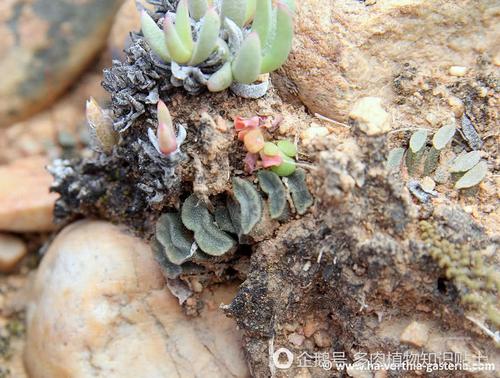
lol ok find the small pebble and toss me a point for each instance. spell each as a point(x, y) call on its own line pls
point(314, 132)
point(415, 334)
point(322, 339)
point(457, 71)
point(296, 339)
point(427, 184)
point(12, 250)
point(456, 105)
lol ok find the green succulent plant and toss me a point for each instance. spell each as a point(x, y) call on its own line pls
point(271, 184)
point(236, 41)
point(302, 199)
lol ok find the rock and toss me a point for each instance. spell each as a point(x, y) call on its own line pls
point(322, 338)
point(371, 117)
point(25, 202)
point(415, 334)
point(100, 304)
point(296, 339)
point(45, 45)
point(12, 250)
point(457, 71)
point(313, 132)
point(344, 50)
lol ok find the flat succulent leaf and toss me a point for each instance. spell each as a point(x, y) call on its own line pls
point(183, 24)
point(235, 10)
point(246, 65)
point(466, 161)
point(413, 161)
point(431, 161)
point(178, 51)
point(270, 149)
point(223, 219)
point(271, 184)
point(168, 269)
point(443, 136)
point(174, 237)
point(395, 157)
point(417, 140)
point(281, 44)
point(290, 4)
point(154, 36)
point(250, 11)
point(472, 177)
point(221, 79)
point(286, 168)
point(288, 148)
point(197, 8)
point(250, 204)
point(301, 197)
point(263, 21)
point(208, 236)
point(207, 38)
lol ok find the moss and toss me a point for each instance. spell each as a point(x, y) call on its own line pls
point(478, 283)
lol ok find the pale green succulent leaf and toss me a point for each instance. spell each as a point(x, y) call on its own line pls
point(221, 79)
point(174, 237)
point(183, 25)
point(271, 184)
point(472, 177)
point(207, 38)
point(154, 36)
point(466, 161)
point(301, 197)
point(250, 204)
point(197, 8)
point(443, 136)
point(246, 65)
point(286, 168)
point(250, 11)
point(417, 140)
point(395, 157)
point(290, 4)
point(235, 10)
point(288, 148)
point(270, 149)
point(279, 47)
point(178, 51)
point(263, 20)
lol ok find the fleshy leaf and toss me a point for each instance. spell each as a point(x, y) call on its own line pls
point(235, 10)
point(183, 25)
point(207, 38)
point(101, 126)
point(174, 237)
point(302, 199)
point(167, 141)
point(178, 52)
point(271, 184)
point(465, 162)
point(288, 148)
point(246, 65)
point(417, 140)
point(443, 136)
point(197, 8)
point(271, 161)
point(250, 162)
point(279, 47)
point(394, 158)
point(154, 36)
point(263, 20)
point(250, 204)
point(254, 141)
point(270, 149)
point(286, 168)
point(250, 11)
point(241, 123)
point(472, 177)
point(221, 79)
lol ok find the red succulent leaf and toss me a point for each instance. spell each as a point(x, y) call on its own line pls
point(250, 162)
point(241, 123)
point(270, 161)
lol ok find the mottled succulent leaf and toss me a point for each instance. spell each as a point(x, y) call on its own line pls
point(471, 136)
point(178, 51)
point(198, 219)
point(472, 177)
point(254, 141)
point(443, 136)
point(221, 79)
point(263, 20)
point(413, 161)
point(235, 10)
point(154, 36)
point(270, 149)
point(246, 65)
point(417, 140)
point(223, 219)
point(271, 184)
point(279, 47)
point(197, 8)
point(168, 269)
point(250, 204)
point(286, 168)
point(288, 148)
point(183, 25)
point(207, 37)
point(394, 157)
point(465, 162)
point(174, 237)
point(431, 161)
point(301, 197)
point(250, 11)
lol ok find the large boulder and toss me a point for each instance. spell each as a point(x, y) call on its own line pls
point(45, 45)
point(100, 308)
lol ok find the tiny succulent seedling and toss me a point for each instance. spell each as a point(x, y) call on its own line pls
point(165, 141)
point(103, 135)
point(237, 40)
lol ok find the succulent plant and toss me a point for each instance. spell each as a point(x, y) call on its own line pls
point(235, 42)
point(103, 136)
point(302, 199)
point(271, 184)
point(473, 176)
point(250, 204)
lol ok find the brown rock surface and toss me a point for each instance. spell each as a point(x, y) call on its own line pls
point(25, 202)
point(101, 305)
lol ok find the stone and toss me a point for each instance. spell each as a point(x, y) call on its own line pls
point(45, 46)
point(457, 71)
point(25, 202)
point(344, 50)
point(415, 334)
point(12, 250)
point(313, 132)
point(296, 339)
point(100, 304)
point(322, 338)
point(372, 119)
